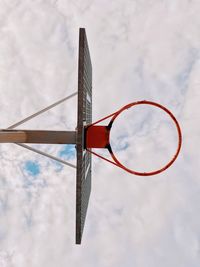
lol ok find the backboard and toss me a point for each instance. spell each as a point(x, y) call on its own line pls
point(83, 177)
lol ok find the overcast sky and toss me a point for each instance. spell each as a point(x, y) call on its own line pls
point(140, 50)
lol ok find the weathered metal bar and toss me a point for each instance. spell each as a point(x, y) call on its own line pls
point(38, 136)
point(12, 137)
point(41, 111)
point(47, 155)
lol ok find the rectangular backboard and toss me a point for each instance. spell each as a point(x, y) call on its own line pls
point(83, 177)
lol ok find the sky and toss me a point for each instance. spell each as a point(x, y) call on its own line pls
point(139, 50)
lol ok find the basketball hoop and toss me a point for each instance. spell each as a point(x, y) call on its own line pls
point(85, 137)
point(98, 136)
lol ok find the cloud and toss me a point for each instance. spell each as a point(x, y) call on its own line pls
point(139, 50)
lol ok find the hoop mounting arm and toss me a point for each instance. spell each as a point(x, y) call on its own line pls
point(97, 136)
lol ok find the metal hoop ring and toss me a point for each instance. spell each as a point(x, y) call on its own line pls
point(145, 102)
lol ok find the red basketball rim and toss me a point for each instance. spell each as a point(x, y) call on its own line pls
point(145, 102)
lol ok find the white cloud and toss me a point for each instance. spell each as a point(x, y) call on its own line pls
point(139, 51)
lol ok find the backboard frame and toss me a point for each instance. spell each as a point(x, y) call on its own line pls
point(84, 117)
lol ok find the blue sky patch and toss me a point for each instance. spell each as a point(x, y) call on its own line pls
point(58, 166)
point(32, 167)
point(67, 152)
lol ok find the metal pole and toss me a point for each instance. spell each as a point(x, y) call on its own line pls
point(37, 136)
point(46, 137)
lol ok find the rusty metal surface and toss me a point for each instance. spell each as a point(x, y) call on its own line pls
point(12, 137)
point(38, 136)
point(83, 179)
